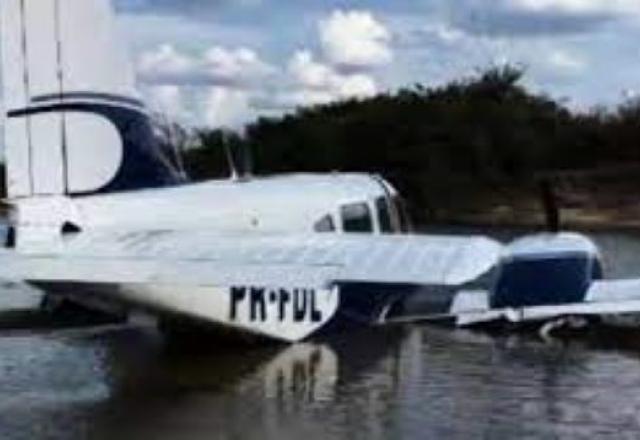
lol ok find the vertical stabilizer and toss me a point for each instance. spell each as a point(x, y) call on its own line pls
point(73, 124)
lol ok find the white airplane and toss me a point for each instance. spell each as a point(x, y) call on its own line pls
point(100, 214)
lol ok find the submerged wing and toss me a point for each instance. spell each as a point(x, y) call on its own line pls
point(604, 298)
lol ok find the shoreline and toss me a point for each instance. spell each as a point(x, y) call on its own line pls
point(571, 220)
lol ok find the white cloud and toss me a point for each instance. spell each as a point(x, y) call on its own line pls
point(229, 87)
point(565, 62)
point(444, 32)
point(310, 73)
point(579, 6)
point(357, 86)
point(179, 91)
point(523, 18)
point(318, 83)
point(355, 40)
point(167, 100)
point(165, 64)
point(217, 66)
point(227, 107)
point(235, 64)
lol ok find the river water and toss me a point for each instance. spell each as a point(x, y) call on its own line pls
point(126, 382)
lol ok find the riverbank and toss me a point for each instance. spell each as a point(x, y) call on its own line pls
point(627, 219)
point(590, 204)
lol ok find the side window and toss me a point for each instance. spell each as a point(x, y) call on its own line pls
point(357, 218)
point(384, 215)
point(325, 224)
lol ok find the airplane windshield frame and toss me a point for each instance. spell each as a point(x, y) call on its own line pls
point(406, 225)
point(384, 216)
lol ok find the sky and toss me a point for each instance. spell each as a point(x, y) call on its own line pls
point(223, 63)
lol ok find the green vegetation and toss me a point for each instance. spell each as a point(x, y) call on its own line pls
point(472, 150)
point(478, 142)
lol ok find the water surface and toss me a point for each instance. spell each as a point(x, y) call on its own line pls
point(126, 382)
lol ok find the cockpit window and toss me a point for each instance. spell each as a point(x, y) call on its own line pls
point(384, 215)
point(357, 218)
point(325, 224)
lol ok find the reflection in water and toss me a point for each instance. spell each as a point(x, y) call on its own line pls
point(417, 382)
point(413, 382)
point(277, 392)
point(305, 372)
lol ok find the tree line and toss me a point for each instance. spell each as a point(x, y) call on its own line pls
point(459, 144)
point(446, 146)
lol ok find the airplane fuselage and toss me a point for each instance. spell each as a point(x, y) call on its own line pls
point(299, 203)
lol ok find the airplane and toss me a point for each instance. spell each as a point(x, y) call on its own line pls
point(101, 215)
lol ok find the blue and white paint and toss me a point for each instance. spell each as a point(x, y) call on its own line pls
point(98, 213)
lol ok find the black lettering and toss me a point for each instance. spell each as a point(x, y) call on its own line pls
point(258, 302)
point(285, 298)
point(238, 294)
point(299, 305)
point(316, 315)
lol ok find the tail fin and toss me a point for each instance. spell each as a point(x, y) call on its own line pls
point(73, 123)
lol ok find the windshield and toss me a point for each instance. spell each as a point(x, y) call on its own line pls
point(357, 218)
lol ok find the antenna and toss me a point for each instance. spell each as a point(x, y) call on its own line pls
point(235, 176)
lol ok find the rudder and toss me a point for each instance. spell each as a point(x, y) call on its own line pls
point(74, 124)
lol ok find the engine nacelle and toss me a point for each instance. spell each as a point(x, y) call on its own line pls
point(546, 269)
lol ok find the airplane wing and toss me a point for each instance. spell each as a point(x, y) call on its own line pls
point(604, 298)
point(278, 286)
point(211, 258)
